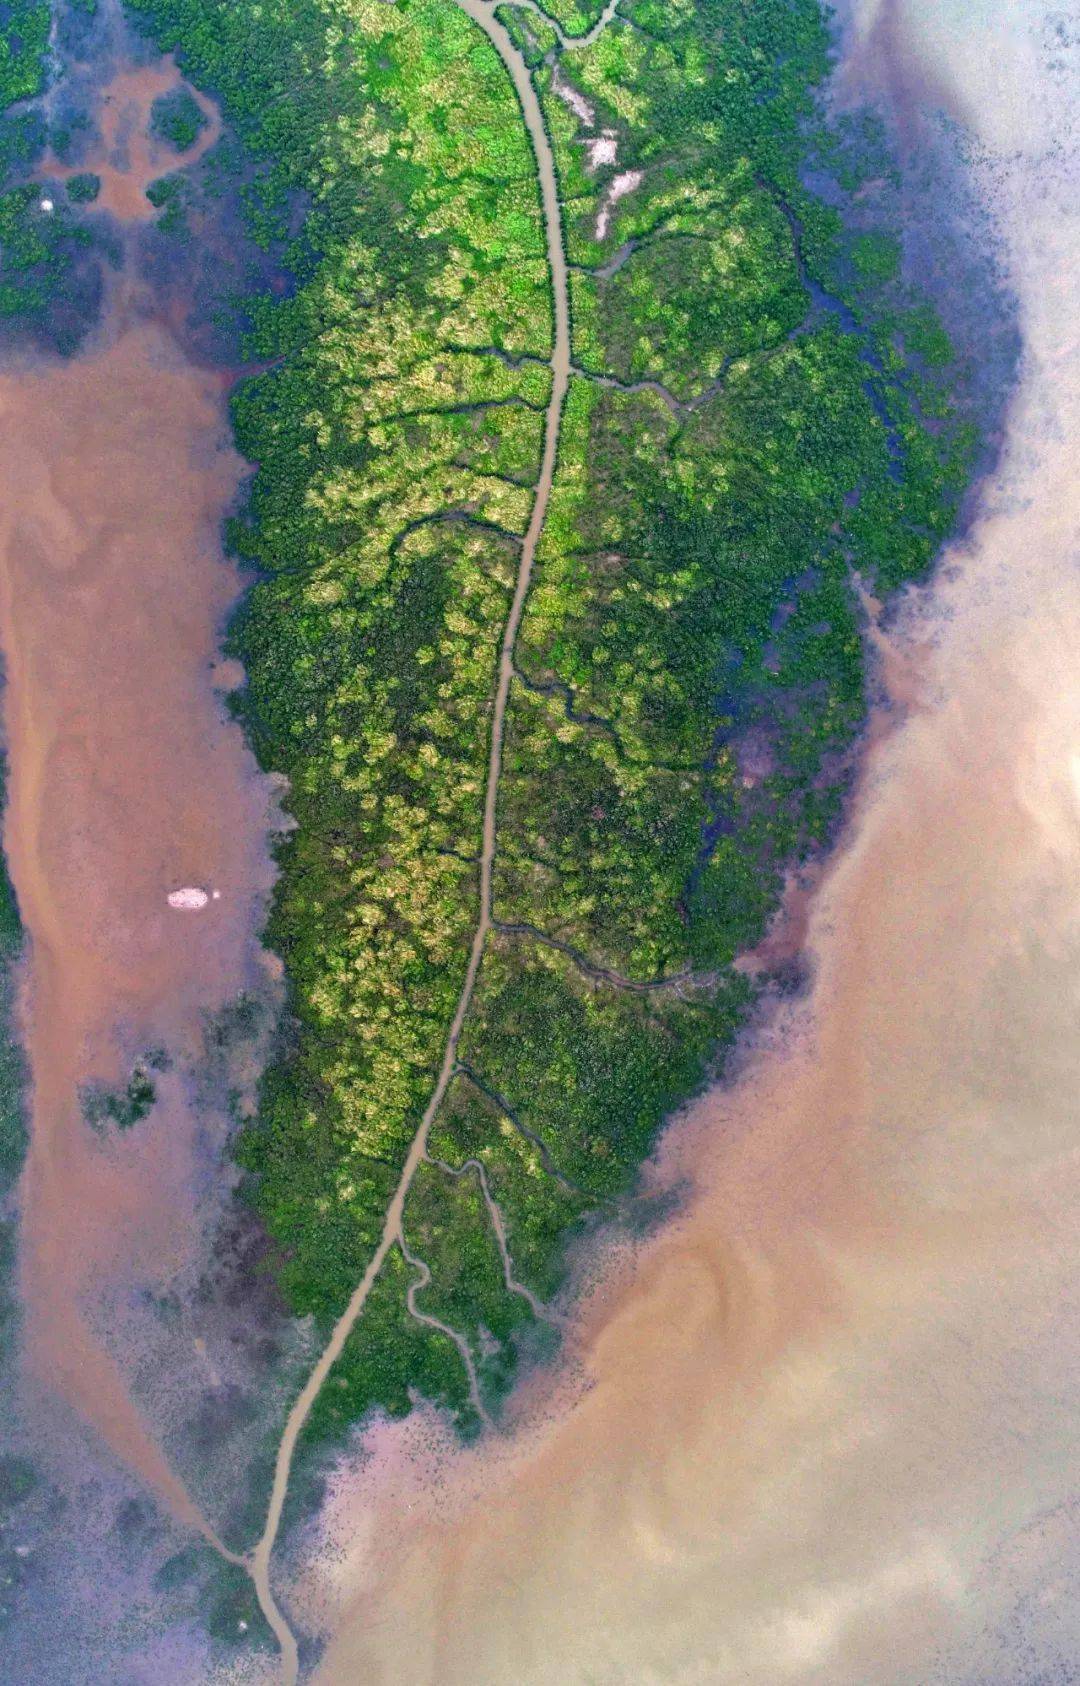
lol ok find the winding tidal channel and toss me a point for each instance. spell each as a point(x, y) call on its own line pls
point(829, 1434)
point(825, 1436)
point(481, 13)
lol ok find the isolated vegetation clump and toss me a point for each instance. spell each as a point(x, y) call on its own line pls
point(126, 1107)
point(759, 411)
point(83, 189)
point(177, 119)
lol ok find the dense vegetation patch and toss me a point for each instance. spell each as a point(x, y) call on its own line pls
point(177, 119)
point(84, 188)
point(759, 411)
point(24, 41)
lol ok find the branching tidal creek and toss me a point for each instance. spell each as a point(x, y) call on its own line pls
point(392, 1235)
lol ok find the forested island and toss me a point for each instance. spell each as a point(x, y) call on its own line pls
point(760, 413)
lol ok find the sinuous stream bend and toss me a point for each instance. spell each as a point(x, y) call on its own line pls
point(116, 729)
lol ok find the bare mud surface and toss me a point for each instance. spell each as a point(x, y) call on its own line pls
point(823, 1429)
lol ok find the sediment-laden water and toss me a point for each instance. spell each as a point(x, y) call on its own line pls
point(829, 1423)
point(128, 781)
point(127, 156)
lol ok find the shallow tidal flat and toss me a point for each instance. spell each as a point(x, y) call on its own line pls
point(125, 781)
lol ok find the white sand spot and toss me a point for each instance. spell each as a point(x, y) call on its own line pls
point(189, 899)
point(620, 187)
point(570, 96)
point(603, 150)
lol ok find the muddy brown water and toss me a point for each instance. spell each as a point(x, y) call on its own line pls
point(127, 781)
point(830, 1424)
point(128, 157)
